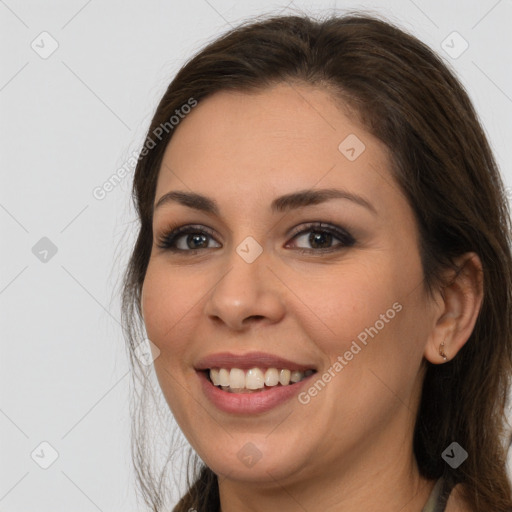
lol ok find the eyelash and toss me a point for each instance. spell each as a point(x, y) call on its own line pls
point(167, 239)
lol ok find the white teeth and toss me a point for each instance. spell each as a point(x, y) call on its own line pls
point(254, 379)
point(238, 380)
point(295, 376)
point(284, 377)
point(223, 377)
point(271, 377)
point(214, 375)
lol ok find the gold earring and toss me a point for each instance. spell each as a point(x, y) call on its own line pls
point(441, 351)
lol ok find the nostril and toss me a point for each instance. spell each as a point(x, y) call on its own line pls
point(255, 317)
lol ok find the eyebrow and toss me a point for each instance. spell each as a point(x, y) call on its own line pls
point(295, 200)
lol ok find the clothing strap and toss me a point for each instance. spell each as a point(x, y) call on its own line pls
point(439, 496)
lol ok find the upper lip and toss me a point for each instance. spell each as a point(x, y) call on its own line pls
point(249, 360)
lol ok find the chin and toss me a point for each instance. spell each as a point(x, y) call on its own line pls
point(250, 460)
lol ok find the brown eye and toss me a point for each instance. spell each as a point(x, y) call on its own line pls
point(185, 239)
point(320, 237)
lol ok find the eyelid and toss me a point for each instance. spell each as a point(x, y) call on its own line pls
point(343, 235)
point(320, 226)
point(174, 231)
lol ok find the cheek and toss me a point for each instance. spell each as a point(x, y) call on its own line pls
point(167, 305)
point(344, 304)
point(371, 319)
point(168, 311)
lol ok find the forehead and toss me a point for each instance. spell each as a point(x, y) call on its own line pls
point(272, 142)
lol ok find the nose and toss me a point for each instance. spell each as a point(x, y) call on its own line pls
point(247, 293)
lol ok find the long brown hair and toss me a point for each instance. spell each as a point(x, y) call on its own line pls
point(407, 97)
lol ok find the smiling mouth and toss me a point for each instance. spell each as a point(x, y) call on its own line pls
point(254, 380)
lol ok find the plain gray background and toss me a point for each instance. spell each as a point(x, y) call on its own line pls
point(69, 120)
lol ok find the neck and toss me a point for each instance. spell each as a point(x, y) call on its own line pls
point(380, 475)
point(383, 493)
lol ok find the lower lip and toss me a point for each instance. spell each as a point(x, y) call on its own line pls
point(250, 403)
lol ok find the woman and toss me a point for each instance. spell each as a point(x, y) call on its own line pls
point(324, 271)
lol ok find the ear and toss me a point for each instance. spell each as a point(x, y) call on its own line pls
point(457, 310)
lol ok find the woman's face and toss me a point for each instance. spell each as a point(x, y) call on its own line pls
point(345, 299)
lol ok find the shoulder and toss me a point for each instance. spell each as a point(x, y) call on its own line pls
point(455, 502)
